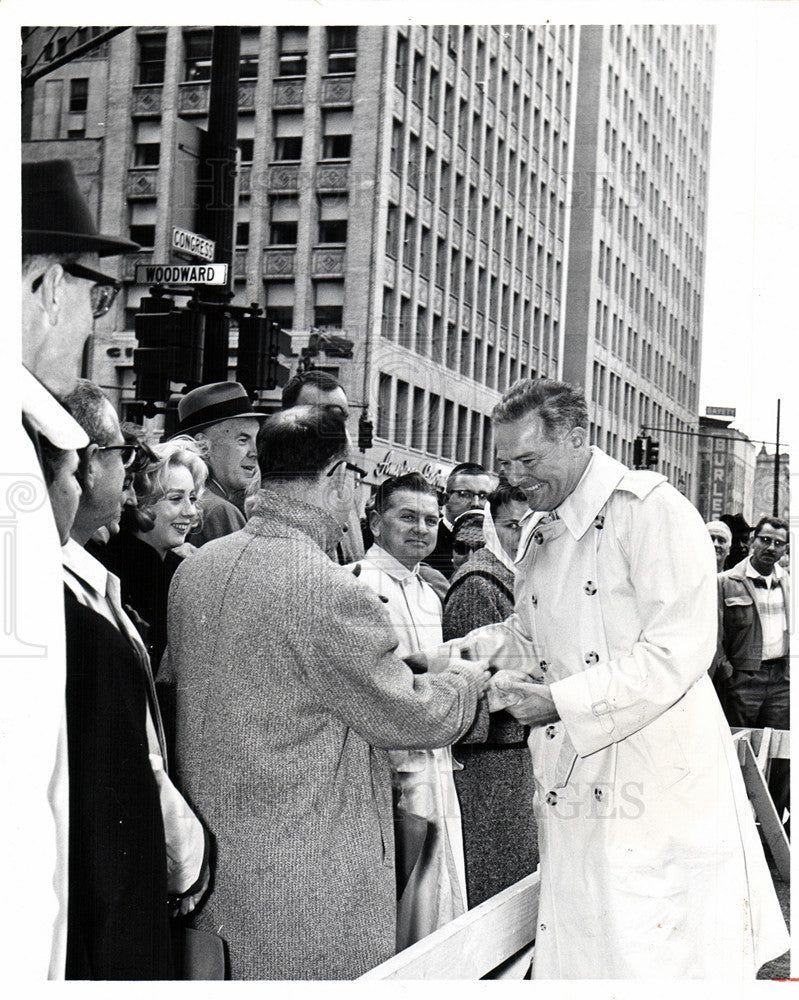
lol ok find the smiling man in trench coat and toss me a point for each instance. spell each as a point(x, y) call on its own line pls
point(651, 864)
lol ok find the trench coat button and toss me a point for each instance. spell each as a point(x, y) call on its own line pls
point(543, 927)
point(538, 537)
point(383, 598)
point(598, 794)
point(599, 522)
point(552, 798)
point(590, 588)
point(356, 569)
point(592, 657)
point(543, 665)
point(534, 599)
point(549, 732)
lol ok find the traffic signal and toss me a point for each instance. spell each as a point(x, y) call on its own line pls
point(169, 348)
point(364, 432)
point(640, 446)
point(260, 345)
point(652, 452)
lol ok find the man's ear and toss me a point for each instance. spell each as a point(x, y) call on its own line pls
point(577, 436)
point(52, 292)
point(374, 522)
point(203, 443)
point(87, 470)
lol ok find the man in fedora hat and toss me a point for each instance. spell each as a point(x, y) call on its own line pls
point(63, 292)
point(221, 420)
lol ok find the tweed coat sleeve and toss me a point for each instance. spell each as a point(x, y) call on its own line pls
point(355, 670)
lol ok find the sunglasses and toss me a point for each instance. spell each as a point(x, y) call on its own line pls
point(103, 291)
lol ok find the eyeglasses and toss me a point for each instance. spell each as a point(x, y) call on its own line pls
point(127, 452)
point(103, 291)
point(470, 495)
point(360, 474)
point(766, 540)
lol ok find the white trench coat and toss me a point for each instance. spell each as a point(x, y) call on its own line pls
point(436, 890)
point(651, 866)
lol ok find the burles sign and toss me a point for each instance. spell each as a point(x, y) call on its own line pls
point(389, 465)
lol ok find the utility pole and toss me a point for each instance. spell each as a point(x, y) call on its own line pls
point(216, 186)
point(776, 506)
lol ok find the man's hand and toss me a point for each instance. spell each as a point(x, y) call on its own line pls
point(186, 904)
point(477, 668)
point(508, 687)
point(537, 708)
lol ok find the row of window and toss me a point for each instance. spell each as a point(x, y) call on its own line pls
point(292, 54)
point(526, 343)
point(410, 415)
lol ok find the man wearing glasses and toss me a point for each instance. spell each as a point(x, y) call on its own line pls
point(468, 487)
point(63, 292)
point(753, 657)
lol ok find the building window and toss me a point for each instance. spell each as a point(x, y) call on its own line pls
point(197, 46)
point(288, 136)
point(336, 147)
point(280, 304)
point(284, 215)
point(143, 234)
point(152, 57)
point(328, 316)
point(293, 51)
point(383, 405)
point(246, 146)
point(332, 230)
point(401, 413)
point(78, 95)
point(147, 154)
point(242, 234)
point(248, 67)
point(341, 49)
point(336, 135)
point(329, 304)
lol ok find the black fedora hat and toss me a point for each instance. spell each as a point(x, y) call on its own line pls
point(209, 404)
point(737, 524)
point(55, 216)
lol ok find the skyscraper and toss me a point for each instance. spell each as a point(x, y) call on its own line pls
point(636, 266)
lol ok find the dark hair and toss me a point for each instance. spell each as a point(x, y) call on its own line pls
point(467, 533)
point(411, 482)
point(301, 441)
point(505, 493)
point(559, 405)
point(775, 522)
point(321, 380)
point(465, 469)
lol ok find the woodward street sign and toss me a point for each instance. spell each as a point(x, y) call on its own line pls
point(184, 241)
point(181, 274)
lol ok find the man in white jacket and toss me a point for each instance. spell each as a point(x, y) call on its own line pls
point(651, 866)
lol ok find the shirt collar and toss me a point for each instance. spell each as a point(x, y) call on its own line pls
point(601, 477)
point(385, 561)
point(48, 417)
point(84, 566)
point(774, 577)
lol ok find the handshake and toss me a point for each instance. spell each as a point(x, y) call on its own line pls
point(520, 689)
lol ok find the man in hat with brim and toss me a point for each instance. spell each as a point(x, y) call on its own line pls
point(63, 292)
point(220, 418)
point(740, 531)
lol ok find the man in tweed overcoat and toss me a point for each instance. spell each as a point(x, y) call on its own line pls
point(289, 692)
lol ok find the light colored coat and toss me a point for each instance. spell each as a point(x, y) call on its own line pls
point(651, 864)
point(436, 890)
point(288, 692)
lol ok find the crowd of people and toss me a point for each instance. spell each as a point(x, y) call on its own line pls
point(306, 727)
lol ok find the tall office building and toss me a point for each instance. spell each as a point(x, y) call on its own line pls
point(636, 267)
point(418, 190)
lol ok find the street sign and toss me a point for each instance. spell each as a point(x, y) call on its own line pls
point(184, 241)
point(720, 411)
point(181, 274)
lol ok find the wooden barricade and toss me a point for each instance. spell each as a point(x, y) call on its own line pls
point(496, 939)
point(492, 941)
point(756, 749)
